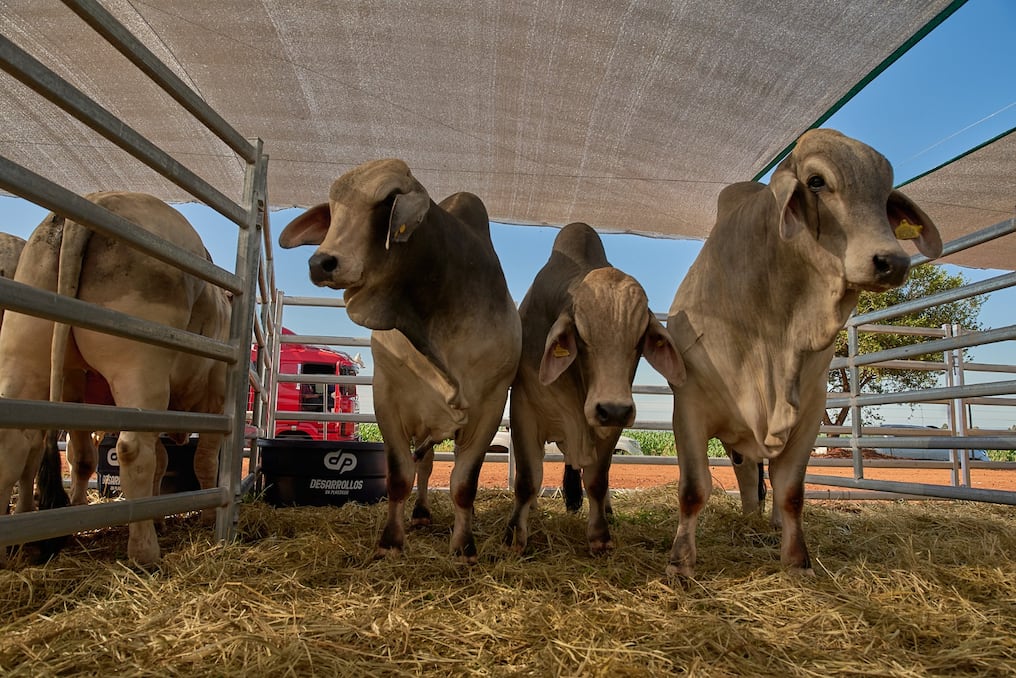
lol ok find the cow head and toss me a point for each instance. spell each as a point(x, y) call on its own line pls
point(839, 192)
point(608, 327)
point(371, 209)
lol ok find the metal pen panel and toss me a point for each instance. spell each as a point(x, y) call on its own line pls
point(42, 414)
point(42, 191)
point(58, 91)
point(123, 40)
point(29, 300)
point(22, 527)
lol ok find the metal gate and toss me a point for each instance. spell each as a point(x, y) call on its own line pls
point(249, 215)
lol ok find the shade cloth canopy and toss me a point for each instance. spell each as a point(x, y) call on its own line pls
point(629, 116)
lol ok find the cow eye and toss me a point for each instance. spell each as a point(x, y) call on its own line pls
point(816, 182)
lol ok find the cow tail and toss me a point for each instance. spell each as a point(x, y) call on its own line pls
point(571, 488)
point(72, 250)
point(50, 478)
point(51, 494)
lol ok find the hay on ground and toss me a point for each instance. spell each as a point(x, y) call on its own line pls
point(902, 589)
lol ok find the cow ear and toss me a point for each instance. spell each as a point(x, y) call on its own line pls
point(408, 212)
point(909, 222)
point(659, 350)
point(309, 228)
point(790, 210)
point(560, 350)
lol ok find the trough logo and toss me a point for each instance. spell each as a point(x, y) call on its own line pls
point(340, 461)
point(111, 458)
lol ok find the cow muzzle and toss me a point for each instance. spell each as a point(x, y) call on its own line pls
point(890, 270)
point(322, 267)
point(614, 413)
point(326, 270)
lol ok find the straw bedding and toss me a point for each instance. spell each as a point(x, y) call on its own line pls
point(901, 589)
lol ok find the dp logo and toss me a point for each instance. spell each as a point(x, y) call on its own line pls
point(340, 461)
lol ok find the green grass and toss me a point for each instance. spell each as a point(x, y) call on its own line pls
point(661, 443)
point(653, 443)
point(370, 433)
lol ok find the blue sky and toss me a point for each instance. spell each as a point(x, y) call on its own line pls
point(951, 92)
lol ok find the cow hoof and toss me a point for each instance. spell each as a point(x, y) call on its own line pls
point(801, 572)
point(467, 559)
point(466, 553)
point(143, 556)
point(382, 552)
point(515, 539)
point(601, 548)
point(680, 571)
point(420, 517)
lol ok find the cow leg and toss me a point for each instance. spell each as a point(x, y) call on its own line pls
point(142, 382)
point(694, 487)
point(11, 466)
point(20, 456)
point(161, 464)
point(748, 477)
point(465, 477)
point(787, 478)
point(82, 458)
point(23, 375)
point(206, 468)
point(399, 483)
point(596, 480)
point(571, 488)
point(424, 467)
point(136, 452)
point(527, 444)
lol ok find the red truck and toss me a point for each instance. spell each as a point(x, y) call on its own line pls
point(310, 396)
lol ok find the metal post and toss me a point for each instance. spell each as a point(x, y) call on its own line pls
point(275, 344)
point(854, 377)
point(962, 427)
point(240, 333)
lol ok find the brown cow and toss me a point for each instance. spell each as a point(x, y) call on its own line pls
point(584, 326)
point(10, 252)
point(109, 273)
point(756, 317)
point(446, 334)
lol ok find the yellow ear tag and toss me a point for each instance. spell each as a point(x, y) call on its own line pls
point(908, 231)
point(560, 351)
point(402, 229)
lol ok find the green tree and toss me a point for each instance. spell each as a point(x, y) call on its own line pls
point(924, 280)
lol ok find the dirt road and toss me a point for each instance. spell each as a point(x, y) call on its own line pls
point(640, 476)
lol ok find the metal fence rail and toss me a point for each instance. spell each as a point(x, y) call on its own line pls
point(250, 215)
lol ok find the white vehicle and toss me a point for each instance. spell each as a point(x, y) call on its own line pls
point(625, 445)
point(926, 454)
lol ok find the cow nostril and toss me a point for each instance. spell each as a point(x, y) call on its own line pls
point(324, 262)
point(882, 264)
point(890, 267)
point(614, 414)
